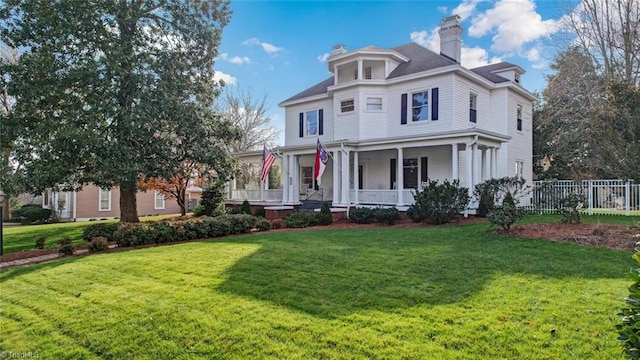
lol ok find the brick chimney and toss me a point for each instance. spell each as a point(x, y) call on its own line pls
point(451, 37)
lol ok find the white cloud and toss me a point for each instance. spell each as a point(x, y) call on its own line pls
point(268, 48)
point(514, 23)
point(228, 79)
point(476, 56)
point(465, 9)
point(533, 55)
point(236, 59)
point(323, 58)
point(430, 40)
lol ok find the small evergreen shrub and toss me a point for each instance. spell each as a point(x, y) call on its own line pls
point(245, 208)
point(40, 242)
point(362, 215)
point(325, 217)
point(387, 216)
point(300, 220)
point(570, 207)
point(263, 225)
point(261, 212)
point(439, 203)
point(105, 230)
point(212, 197)
point(219, 226)
point(507, 214)
point(277, 224)
point(66, 247)
point(33, 213)
point(629, 326)
point(98, 244)
point(492, 192)
point(161, 232)
point(198, 211)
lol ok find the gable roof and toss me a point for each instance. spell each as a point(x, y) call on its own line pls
point(317, 89)
point(421, 59)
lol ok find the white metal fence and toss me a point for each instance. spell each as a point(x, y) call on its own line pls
point(617, 197)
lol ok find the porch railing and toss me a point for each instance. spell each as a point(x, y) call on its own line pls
point(617, 197)
point(381, 197)
point(270, 195)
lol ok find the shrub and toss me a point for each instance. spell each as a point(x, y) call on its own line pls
point(362, 215)
point(40, 242)
point(629, 326)
point(507, 214)
point(439, 203)
point(241, 223)
point(66, 247)
point(99, 243)
point(387, 216)
point(212, 197)
point(219, 226)
point(161, 232)
point(324, 217)
point(198, 211)
point(277, 224)
point(105, 230)
point(570, 207)
point(263, 225)
point(133, 235)
point(261, 212)
point(300, 220)
point(493, 191)
point(245, 208)
point(33, 213)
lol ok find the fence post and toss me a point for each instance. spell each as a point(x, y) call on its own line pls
point(627, 198)
point(590, 197)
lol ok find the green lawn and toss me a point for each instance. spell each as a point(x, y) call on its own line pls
point(388, 293)
point(18, 238)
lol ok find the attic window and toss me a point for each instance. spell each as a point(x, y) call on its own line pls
point(367, 73)
point(517, 79)
point(347, 106)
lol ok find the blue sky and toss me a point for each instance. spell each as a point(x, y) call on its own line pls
point(279, 48)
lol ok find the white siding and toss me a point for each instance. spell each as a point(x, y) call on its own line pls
point(345, 125)
point(291, 130)
point(484, 115)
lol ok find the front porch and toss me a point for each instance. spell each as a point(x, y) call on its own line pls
point(385, 173)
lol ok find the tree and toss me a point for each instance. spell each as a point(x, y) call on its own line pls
point(109, 91)
point(248, 112)
point(176, 187)
point(563, 122)
point(608, 31)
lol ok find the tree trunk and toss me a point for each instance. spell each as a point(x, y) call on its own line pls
point(181, 201)
point(128, 205)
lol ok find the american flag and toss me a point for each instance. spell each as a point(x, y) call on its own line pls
point(267, 160)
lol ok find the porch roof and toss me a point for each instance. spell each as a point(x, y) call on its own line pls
point(434, 139)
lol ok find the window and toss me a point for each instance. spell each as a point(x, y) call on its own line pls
point(104, 199)
point(347, 106)
point(420, 106)
point(519, 168)
point(355, 75)
point(374, 103)
point(45, 199)
point(519, 118)
point(158, 202)
point(473, 100)
point(517, 79)
point(367, 72)
point(312, 123)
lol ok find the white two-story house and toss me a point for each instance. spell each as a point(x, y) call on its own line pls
point(392, 119)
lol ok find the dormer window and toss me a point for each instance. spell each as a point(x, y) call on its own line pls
point(517, 78)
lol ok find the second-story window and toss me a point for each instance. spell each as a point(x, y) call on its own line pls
point(473, 101)
point(312, 123)
point(347, 105)
point(374, 103)
point(519, 118)
point(420, 106)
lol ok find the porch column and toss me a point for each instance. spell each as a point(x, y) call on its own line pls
point(295, 170)
point(336, 178)
point(496, 161)
point(232, 186)
point(356, 177)
point(469, 152)
point(454, 162)
point(284, 177)
point(344, 169)
point(487, 163)
point(477, 170)
point(360, 74)
point(400, 176)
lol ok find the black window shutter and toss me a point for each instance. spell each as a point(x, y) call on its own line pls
point(301, 125)
point(320, 122)
point(434, 106)
point(403, 109)
point(393, 170)
point(424, 174)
